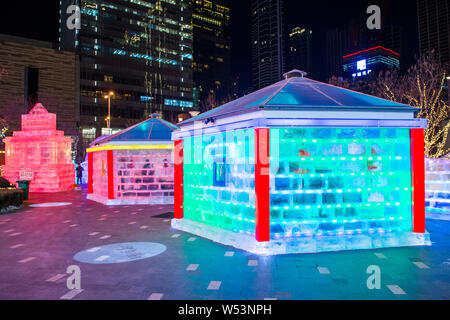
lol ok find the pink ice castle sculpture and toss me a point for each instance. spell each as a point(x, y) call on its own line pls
point(39, 153)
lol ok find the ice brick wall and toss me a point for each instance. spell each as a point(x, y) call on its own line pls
point(339, 180)
point(437, 185)
point(219, 180)
point(144, 176)
point(37, 151)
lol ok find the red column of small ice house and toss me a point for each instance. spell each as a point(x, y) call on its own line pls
point(262, 185)
point(178, 180)
point(90, 172)
point(418, 179)
point(110, 160)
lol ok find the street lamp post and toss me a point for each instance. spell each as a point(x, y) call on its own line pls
point(108, 119)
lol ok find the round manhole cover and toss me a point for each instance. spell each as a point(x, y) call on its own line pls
point(120, 252)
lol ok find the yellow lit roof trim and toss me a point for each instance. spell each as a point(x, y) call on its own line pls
point(121, 147)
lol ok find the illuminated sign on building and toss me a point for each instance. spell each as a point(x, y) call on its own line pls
point(361, 64)
point(40, 153)
point(364, 62)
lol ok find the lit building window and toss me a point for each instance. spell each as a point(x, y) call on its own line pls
point(207, 4)
point(106, 131)
point(146, 98)
point(88, 133)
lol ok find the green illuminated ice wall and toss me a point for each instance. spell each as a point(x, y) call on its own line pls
point(219, 180)
point(322, 181)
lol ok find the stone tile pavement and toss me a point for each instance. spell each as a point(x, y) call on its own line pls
point(37, 244)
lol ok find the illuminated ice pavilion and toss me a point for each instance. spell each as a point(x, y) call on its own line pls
point(302, 166)
point(40, 153)
point(133, 166)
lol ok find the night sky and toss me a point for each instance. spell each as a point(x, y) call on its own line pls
point(39, 20)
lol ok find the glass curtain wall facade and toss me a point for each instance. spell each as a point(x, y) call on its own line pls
point(140, 50)
point(268, 55)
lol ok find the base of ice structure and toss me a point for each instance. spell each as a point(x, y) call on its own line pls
point(120, 202)
point(304, 244)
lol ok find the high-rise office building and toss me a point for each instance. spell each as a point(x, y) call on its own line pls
point(434, 27)
point(355, 37)
point(300, 49)
point(140, 50)
point(212, 45)
point(268, 55)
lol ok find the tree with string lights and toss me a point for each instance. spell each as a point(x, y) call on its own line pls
point(422, 87)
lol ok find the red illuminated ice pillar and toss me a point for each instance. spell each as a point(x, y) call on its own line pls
point(178, 180)
point(418, 179)
point(262, 185)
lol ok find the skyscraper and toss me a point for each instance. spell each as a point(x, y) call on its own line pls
point(434, 27)
point(300, 49)
point(140, 50)
point(268, 56)
point(212, 57)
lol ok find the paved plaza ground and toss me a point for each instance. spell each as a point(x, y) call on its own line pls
point(37, 244)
